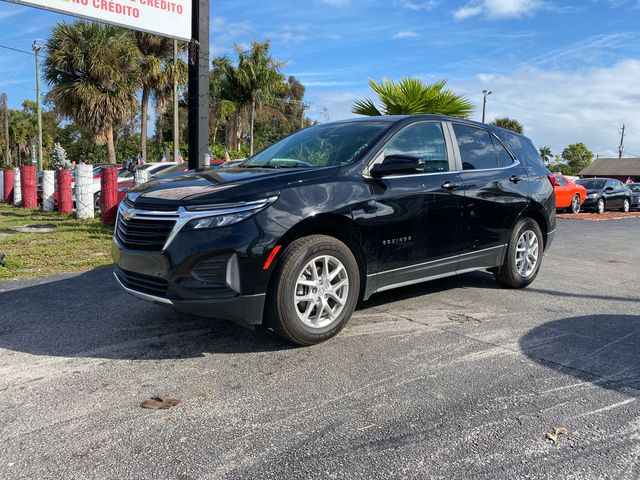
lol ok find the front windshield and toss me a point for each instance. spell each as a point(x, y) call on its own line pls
point(592, 184)
point(321, 146)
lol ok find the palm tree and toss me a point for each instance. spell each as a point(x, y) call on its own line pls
point(93, 73)
point(261, 77)
point(509, 124)
point(545, 153)
point(157, 74)
point(410, 96)
point(239, 91)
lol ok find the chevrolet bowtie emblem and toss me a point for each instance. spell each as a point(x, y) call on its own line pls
point(127, 214)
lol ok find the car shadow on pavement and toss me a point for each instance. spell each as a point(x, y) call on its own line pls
point(602, 349)
point(88, 315)
point(558, 293)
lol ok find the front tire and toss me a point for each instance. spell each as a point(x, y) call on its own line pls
point(575, 205)
point(626, 206)
point(524, 255)
point(314, 291)
point(601, 206)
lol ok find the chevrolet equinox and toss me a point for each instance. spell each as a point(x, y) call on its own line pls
point(296, 235)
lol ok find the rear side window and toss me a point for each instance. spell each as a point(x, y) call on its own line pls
point(424, 141)
point(504, 158)
point(561, 181)
point(524, 151)
point(476, 148)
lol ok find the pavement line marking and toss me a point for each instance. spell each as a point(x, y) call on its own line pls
point(608, 408)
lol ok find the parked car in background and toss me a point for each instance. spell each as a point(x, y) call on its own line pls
point(126, 178)
point(605, 194)
point(634, 188)
point(293, 237)
point(569, 195)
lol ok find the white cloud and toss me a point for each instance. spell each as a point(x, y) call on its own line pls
point(559, 107)
point(499, 8)
point(419, 6)
point(336, 3)
point(556, 106)
point(405, 34)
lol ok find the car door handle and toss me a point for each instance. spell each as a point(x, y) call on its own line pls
point(448, 185)
point(515, 179)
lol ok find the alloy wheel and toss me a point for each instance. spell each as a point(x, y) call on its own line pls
point(321, 291)
point(601, 206)
point(625, 207)
point(575, 204)
point(527, 253)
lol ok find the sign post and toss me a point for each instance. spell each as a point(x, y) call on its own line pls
point(199, 85)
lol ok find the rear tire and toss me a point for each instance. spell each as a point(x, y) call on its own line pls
point(575, 205)
point(314, 290)
point(626, 206)
point(524, 255)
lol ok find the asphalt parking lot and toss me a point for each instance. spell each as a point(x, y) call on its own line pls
point(456, 378)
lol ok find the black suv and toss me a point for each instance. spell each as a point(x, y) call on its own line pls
point(293, 237)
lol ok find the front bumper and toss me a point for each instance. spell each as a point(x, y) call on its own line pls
point(216, 273)
point(590, 203)
point(242, 309)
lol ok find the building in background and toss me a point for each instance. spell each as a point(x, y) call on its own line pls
point(621, 169)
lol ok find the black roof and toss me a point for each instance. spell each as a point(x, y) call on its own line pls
point(441, 118)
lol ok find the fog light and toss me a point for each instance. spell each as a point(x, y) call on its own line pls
point(233, 273)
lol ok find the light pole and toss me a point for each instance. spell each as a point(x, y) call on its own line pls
point(36, 49)
point(485, 94)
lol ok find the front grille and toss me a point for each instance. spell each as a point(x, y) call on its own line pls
point(155, 207)
point(143, 234)
point(212, 269)
point(143, 283)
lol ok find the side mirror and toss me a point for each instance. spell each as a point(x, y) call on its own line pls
point(609, 189)
point(397, 164)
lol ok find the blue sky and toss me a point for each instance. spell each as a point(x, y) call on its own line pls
point(569, 71)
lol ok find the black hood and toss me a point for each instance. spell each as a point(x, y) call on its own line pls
point(223, 185)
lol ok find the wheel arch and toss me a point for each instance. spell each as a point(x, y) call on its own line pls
point(540, 219)
point(334, 225)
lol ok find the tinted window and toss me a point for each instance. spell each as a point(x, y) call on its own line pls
point(424, 141)
point(326, 145)
point(591, 184)
point(561, 181)
point(634, 187)
point(476, 148)
point(504, 158)
point(524, 151)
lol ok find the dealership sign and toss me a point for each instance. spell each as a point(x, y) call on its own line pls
point(171, 18)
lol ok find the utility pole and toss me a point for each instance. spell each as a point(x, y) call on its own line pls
point(621, 147)
point(36, 49)
point(176, 133)
point(199, 84)
point(485, 94)
point(5, 119)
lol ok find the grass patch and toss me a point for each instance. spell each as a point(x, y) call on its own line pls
point(74, 246)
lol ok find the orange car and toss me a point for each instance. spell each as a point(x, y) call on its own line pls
point(569, 195)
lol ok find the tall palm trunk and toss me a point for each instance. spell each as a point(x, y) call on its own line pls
point(111, 149)
point(234, 131)
point(253, 121)
point(143, 121)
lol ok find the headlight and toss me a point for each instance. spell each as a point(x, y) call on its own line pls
point(592, 195)
point(218, 221)
point(216, 216)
